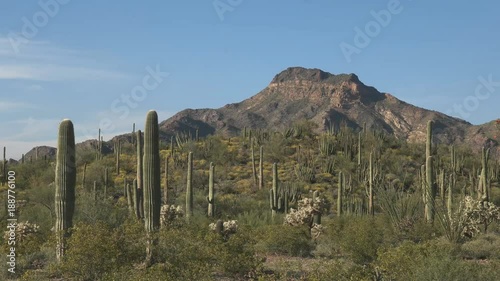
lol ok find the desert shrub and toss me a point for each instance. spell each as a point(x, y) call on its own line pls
point(432, 260)
point(93, 249)
point(285, 240)
point(90, 211)
point(451, 269)
point(340, 270)
point(360, 238)
point(185, 254)
point(238, 255)
point(486, 246)
point(403, 262)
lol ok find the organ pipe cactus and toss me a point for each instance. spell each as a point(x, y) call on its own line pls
point(65, 182)
point(189, 187)
point(211, 193)
point(152, 180)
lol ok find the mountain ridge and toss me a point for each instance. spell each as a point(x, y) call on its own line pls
point(327, 99)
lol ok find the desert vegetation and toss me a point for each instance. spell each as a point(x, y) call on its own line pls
point(291, 204)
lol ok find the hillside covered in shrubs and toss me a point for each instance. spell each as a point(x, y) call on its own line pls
point(266, 205)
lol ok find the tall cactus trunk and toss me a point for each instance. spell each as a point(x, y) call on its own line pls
point(340, 194)
point(65, 182)
point(105, 183)
point(83, 175)
point(99, 146)
point(137, 202)
point(261, 168)
point(370, 192)
point(139, 177)
point(431, 190)
point(211, 192)
point(483, 191)
point(428, 143)
point(118, 152)
point(189, 187)
point(152, 181)
point(274, 192)
point(165, 191)
point(317, 216)
point(4, 166)
point(254, 170)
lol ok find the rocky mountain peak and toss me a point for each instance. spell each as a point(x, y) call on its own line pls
point(296, 74)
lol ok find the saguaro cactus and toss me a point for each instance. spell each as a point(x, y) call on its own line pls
point(431, 190)
point(428, 144)
point(261, 167)
point(65, 182)
point(254, 170)
point(165, 191)
point(152, 180)
point(370, 192)
point(4, 166)
point(211, 192)
point(105, 182)
point(340, 193)
point(140, 154)
point(118, 151)
point(273, 193)
point(83, 175)
point(317, 216)
point(483, 191)
point(189, 187)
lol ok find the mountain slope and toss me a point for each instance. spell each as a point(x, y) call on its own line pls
point(329, 100)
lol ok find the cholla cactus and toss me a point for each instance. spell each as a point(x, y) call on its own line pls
point(304, 215)
point(229, 228)
point(477, 213)
point(169, 214)
point(23, 230)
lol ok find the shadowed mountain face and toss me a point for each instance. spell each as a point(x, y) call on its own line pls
point(329, 100)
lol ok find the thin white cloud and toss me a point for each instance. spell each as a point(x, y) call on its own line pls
point(55, 73)
point(43, 61)
point(6, 106)
point(30, 129)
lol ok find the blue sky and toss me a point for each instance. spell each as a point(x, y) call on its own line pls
point(76, 59)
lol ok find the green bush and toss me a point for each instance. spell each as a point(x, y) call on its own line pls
point(238, 256)
point(360, 237)
point(432, 260)
point(285, 240)
point(92, 251)
point(486, 246)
